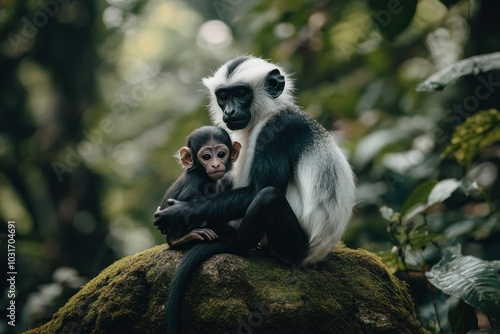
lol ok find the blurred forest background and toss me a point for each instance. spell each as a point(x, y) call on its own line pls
point(97, 96)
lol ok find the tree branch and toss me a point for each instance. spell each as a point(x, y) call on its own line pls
point(473, 65)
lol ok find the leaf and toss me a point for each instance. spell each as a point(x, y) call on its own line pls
point(421, 237)
point(418, 196)
point(427, 194)
point(415, 211)
point(462, 317)
point(477, 132)
point(495, 264)
point(442, 191)
point(468, 278)
point(459, 229)
point(397, 231)
point(469, 185)
point(389, 214)
point(391, 260)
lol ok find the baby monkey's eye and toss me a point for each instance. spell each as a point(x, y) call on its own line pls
point(206, 157)
point(221, 154)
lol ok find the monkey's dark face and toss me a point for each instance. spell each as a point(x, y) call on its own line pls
point(235, 101)
point(214, 159)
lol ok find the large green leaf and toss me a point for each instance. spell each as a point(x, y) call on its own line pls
point(427, 194)
point(418, 196)
point(468, 278)
point(442, 191)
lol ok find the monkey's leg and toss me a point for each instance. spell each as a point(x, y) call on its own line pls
point(271, 213)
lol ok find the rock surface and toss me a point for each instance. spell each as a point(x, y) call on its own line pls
point(349, 292)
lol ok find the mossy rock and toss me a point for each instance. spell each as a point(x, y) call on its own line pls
point(349, 292)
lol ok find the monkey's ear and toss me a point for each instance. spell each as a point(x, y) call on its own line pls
point(275, 83)
point(186, 157)
point(236, 151)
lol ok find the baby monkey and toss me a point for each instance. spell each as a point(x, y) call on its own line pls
point(207, 158)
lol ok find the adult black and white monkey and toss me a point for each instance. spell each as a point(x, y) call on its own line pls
point(294, 189)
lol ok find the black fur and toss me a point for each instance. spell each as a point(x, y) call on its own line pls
point(288, 137)
point(278, 148)
point(195, 185)
point(234, 64)
point(270, 208)
point(188, 264)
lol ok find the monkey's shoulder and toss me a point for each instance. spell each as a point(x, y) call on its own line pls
point(292, 125)
point(295, 117)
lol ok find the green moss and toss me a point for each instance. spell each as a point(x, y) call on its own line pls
point(279, 281)
point(228, 311)
point(350, 292)
point(102, 303)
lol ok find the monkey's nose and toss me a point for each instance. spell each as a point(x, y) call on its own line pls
point(157, 212)
point(230, 112)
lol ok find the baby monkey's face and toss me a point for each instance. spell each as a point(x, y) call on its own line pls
point(214, 159)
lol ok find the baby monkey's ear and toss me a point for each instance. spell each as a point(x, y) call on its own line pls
point(236, 151)
point(186, 157)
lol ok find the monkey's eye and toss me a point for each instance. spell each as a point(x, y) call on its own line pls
point(223, 96)
point(206, 157)
point(240, 93)
point(221, 154)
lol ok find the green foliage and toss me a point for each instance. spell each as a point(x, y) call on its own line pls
point(419, 196)
point(442, 191)
point(403, 228)
point(437, 192)
point(392, 17)
point(471, 279)
point(406, 235)
point(392, 260)
point(390, 215)
point(476, 133)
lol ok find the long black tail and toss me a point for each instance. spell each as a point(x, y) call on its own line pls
point(189, 262)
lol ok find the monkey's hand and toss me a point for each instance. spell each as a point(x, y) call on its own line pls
point(196, 234)
point(175, 215)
